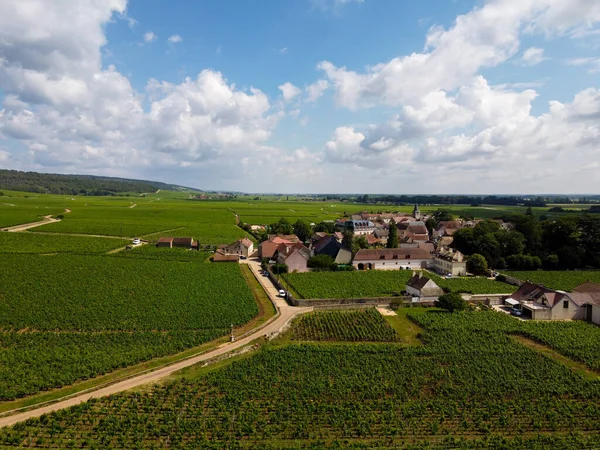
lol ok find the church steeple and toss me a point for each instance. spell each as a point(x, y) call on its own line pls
point(416, 213)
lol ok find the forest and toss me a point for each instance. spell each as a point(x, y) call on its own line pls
point(52, 183)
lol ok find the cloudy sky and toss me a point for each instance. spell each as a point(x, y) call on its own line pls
point(369, 96)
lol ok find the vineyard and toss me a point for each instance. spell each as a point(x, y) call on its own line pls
point(348, 284)
point(352, 326)
point(562, 280)
point(83, 293)
point(469, 386)
point(472, 285)
point(42, 243)
point(74, 317)
point(35, 361)
point(381, 283)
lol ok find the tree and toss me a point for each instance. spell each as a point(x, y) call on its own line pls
point(303, 230)
point(529, 211)
point(443, 215)
point(348, 239)
point(477, 264)
point(321, 262)
point(392, 241)
point(431, 225)
point(451, 301)
point(359, 243)
point(282, 227)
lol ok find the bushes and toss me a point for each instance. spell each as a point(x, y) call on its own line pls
point(451, 301)
point(322, 262)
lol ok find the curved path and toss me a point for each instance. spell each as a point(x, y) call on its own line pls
point(285, 314)
point(27, 226)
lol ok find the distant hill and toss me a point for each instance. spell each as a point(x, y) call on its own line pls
point(52, 183)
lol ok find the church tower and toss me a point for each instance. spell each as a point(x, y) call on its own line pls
point(416, 213)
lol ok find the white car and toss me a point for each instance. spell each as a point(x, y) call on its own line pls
point(136, 241)
point(281, 293)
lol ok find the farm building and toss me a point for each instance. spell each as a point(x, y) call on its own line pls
point(241, 247)
point(220, 256)
point(173, 242)
point(541, 303)
point(165, 242)
point(423, 287)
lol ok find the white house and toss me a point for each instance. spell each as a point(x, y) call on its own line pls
point(393, 258)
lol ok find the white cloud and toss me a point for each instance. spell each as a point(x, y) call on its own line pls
point(533, 56)
point(283, 50)
point(289, 91)
point(315, 90)
point(175, 39)
point(150, 37)
point(72, 114)
point(593, 64)
point(485, 37)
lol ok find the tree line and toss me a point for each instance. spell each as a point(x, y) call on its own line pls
point(564, 243)
point(50, 183)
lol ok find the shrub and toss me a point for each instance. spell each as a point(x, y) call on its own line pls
point(451, 302)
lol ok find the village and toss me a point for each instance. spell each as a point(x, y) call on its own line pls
point(400, 242)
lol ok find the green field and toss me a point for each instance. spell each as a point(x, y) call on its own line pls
point(69, 317)
point(380, 283)
point(562, 280)
point(351, 326)
point(92, 293)
point(43, 243)
point(467, 387)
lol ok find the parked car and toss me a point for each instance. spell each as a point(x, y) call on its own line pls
point(516, 312)
point(281, 293)
point(271, 261)
point(136, 241)
point(242, 257)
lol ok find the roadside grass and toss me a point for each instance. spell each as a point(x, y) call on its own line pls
point(408, 330)
point(578, 368)
point(266, 309)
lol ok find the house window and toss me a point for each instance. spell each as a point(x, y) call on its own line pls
point(382, 257)
point(566, 304)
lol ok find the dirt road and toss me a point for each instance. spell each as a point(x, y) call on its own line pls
point(27, 226)
point(274, 326)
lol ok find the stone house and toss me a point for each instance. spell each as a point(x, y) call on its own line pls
point(423, 287)
point(241, 247)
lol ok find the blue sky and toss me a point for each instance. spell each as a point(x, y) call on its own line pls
point(370, 96)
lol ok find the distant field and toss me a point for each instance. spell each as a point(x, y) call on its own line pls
point(68, 317)
point(26, 242)
point(346, 325)
point(380, 283)
point(563, 280)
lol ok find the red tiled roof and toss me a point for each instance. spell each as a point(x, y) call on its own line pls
point(165, 240)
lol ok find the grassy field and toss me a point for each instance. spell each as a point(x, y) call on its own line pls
point(563, 280)
point(444, 394)
point(345, 325)
point(380, 283)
